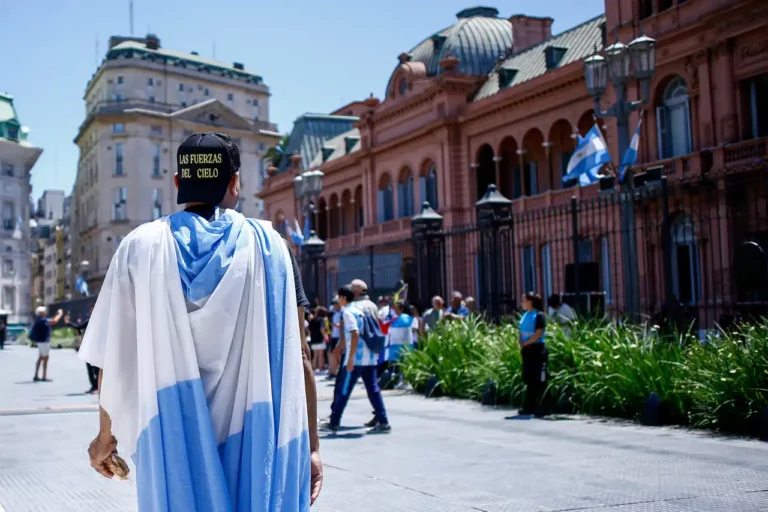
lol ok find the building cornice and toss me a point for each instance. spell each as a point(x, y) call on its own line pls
point(165, 67)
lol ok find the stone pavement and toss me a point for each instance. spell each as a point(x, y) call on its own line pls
point(443, 455)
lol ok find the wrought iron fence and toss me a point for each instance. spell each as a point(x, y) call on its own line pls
point(700, 253)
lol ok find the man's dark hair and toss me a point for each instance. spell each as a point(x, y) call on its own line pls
point(554, 300)
point(346, 292)
point(400, 304)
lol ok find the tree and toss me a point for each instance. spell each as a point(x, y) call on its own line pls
point(275, 153)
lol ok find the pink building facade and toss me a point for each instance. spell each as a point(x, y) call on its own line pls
point(494, 100)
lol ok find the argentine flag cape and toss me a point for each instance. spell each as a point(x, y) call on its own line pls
point(196, 332)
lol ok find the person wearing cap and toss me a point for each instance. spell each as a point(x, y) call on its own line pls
point(360, 360)
point(40, 334)
point(205, 376)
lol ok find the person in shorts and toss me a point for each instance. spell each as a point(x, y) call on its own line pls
point(317, 335)
point(40, 334)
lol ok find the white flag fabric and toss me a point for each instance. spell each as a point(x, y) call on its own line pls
point(202, 367)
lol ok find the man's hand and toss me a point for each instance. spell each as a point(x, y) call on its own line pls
point(350, 365)
point(317, 476)
point(99, 451)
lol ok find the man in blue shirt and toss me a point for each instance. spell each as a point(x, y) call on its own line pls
point(40, 333)
point(457, 310)
point(360, 360)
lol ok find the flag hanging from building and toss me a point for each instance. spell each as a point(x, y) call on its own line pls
point(630, 157)
point(590, 155)
point(307, 229)
point(81, 285)
point(18, 232)
point(401, 294)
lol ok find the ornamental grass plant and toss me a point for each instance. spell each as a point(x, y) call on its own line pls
point(608, 369)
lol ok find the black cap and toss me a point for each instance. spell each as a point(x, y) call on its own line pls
point(205, 164)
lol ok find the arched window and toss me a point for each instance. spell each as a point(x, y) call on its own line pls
point(685, 261)
point(403, 87)
point(428, 187)
point(673, 121)
point(405, 194)
point(385, 200)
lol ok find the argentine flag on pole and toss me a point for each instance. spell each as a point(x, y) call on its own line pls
point(81, 285)
point(294, 235)
point(306, 227)
point(17, 233)
point(590, 155)
point(630, 157)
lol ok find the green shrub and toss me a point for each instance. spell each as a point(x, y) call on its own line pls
point(608, 369)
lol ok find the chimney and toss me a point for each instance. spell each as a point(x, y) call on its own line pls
point(153, 42)
point(529, 31)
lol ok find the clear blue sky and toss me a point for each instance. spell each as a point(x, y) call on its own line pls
point(315, 55)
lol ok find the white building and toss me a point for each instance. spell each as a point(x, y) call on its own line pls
point(17, 157)
point(141, 103)
point(51, 205)
point(50, 271)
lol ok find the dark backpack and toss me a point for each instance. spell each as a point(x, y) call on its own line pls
point(372, 335)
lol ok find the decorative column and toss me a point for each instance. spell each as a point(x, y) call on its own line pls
point(523, 174)
point(497, 161)
point(547, 144)
point(725, 102)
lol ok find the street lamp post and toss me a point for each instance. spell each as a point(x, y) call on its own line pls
point(308, 187)
point(623, 63)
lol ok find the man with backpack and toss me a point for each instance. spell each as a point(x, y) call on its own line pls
point(364, 342)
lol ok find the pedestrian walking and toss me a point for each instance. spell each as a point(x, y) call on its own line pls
point(400, 338)
point(534, 352)
point(364, 339)
point(92, 371)
point(40, 334)
point(333, 360)
point(197, 332)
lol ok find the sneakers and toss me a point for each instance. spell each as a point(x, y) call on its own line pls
point(374, 421)
point(327, 427)
point(380, 428)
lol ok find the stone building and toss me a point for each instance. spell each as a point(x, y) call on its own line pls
point(17, 158)
point(495, 100)
point(140, 104)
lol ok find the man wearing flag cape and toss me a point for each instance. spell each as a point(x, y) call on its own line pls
point(205, 381)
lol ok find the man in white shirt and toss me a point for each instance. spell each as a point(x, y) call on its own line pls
point(561, 312)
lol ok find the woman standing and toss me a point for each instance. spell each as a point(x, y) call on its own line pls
point(317, 328)
point(534, 352)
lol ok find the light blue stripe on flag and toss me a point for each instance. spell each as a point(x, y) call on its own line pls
point(630, 157)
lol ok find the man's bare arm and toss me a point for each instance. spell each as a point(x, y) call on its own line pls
point(309, 388)
point(105, 422)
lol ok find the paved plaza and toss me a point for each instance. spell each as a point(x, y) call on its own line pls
point(442, 456)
